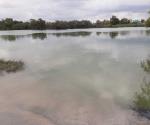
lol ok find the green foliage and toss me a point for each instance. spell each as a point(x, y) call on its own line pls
point(142, 98)
point(40, 24)
point(8, 23)
point(147, 23)
point(37, 24)
point(114, 20)
point(102, 24)
point(20, 26)
point(124, 21)
point(10, 66)
point(70, 24)
point(146, 65)
point(128, 25)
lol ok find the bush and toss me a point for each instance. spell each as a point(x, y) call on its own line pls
point(147, 23)
point(141, 101)
point(142, 98)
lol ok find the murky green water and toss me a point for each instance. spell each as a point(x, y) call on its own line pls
point(73, 77)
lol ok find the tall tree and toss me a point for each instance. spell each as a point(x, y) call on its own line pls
point(147, 23)
point(114, 20)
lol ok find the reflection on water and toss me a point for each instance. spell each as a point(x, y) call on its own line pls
point(148, 32)
point(73, 34)
point(9, 37)
point(10, 66)
point(73, 80)
point(43, 36)
point(113, 35)
point(98, 33)
point(116, 34)
point(125, 33)
point(12, 38)
point(40, 36)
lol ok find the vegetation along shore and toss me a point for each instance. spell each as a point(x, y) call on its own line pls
point(40, 24)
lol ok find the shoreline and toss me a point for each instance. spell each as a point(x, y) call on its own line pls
point(113, 27)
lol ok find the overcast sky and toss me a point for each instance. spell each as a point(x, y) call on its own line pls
point(73, 9)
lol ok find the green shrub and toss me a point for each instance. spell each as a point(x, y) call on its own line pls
point(141, 101)
point(147, 23)
point(142, 98)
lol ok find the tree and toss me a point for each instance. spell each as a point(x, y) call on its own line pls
point(99, 24)
point(33, 24)
point(114, 20)
point(142, 21)
point(7, 23)
point(37, 24)
point(41, 24)
point(124, 21)
point(147, 23)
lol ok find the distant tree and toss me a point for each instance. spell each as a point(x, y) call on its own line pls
point(7, 23)
point(142, 21)
point(147, 23)
point(37, 24)
point(21, 26)
point(41, 24)
point(33, 24)
point(85, 24)
point(124, 21)
point(99, 24)
point(106, 22)
point(114, 20)
point(60, 25)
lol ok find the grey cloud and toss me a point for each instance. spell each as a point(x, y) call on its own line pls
point(71, 9)
point(7, 5)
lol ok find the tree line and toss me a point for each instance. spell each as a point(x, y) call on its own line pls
point(40, 24)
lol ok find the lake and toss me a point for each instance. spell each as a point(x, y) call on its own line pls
point(73, 77)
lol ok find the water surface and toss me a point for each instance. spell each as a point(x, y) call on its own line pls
point(73, 77)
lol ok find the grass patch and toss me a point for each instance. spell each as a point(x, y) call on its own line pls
point(146, 65)
point(141, 102)
point(11, 66)
point(142, 98)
